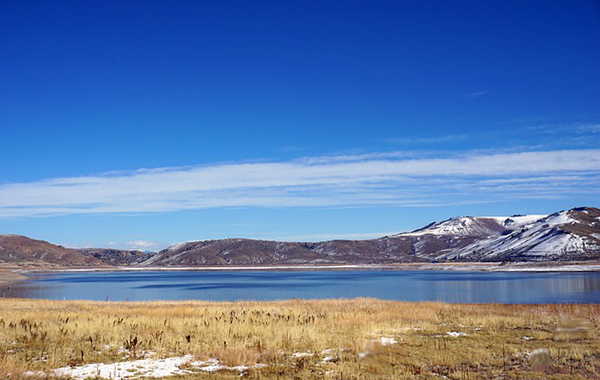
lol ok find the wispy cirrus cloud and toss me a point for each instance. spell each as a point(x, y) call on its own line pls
point(141, 245)
point(392, 179)
point(476, 94)
point(427, 140)
point(323, 237)
point(524, 135)
point(562, 129)
point(590, 128)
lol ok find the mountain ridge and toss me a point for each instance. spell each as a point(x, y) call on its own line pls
point(565, 235)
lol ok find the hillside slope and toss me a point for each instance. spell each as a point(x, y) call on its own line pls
point(261, 252)
point(16, 249)
point(565, 235)
point(113, 256)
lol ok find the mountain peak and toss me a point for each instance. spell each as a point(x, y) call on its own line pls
point(460, 226)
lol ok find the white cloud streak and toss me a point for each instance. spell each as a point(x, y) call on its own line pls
point(476, 94)
point(338, 181)
point(427, 140)
point(324, 237)
point(141, 245)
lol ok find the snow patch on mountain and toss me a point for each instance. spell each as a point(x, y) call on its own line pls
point(518, 221)
point(461, 226)
point(528, 237)
point(473, 226)
point(175, 247)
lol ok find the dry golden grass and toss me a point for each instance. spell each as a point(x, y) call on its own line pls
point(38, 335)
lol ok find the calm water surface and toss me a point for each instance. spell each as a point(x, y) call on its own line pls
point(507, 287)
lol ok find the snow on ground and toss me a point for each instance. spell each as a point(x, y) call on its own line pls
point(472, 267)
point(456, 334)
point(155, 368)
point(557, 268)
point(513, 267)
point(302, 354)
point(220, 268)
point(385, 341)
point(176, 246)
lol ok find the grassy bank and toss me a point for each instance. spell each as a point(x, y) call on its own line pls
point(295, 339)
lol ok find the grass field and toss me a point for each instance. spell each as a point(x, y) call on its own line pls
point(295, 339)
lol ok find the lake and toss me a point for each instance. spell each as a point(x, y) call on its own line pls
point(408, 285)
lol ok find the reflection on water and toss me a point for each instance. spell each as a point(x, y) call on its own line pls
point(507, 287)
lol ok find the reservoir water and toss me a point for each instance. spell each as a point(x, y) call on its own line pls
point(448, 286)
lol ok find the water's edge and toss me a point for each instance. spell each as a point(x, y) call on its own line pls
point(585, 266)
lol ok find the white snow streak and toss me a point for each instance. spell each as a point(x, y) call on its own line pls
point(155, 368)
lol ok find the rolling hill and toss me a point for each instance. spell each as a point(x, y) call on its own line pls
point(16, 249)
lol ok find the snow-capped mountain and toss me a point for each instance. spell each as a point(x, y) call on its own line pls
point(472, 226)
point(572, 234)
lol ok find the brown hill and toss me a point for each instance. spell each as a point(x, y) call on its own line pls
point(16, 249)
point(386, 250)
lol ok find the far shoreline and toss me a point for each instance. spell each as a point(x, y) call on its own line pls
point(9, 276)
point(15, 274)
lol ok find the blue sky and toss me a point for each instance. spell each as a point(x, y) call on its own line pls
point(140, 124)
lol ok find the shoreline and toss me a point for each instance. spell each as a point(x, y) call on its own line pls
point(11, 274)
point(14, 273)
